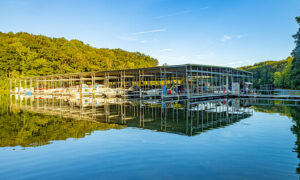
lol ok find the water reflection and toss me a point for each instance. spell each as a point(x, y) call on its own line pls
point(289, 108)
point(58, 117)
point(35, 121)
point(26, 128)
point(180, 117)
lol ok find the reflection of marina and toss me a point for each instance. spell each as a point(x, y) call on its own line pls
point(27, 128)
point(181, 117)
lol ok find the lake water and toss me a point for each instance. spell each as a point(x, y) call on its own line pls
point(59, 138)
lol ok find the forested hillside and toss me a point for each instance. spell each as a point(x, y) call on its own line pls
point(282, 74)
point(24, 54)
point(277, 73)
point(295, 69)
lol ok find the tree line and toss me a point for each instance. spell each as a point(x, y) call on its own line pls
point(281, 74)
point(23, 54)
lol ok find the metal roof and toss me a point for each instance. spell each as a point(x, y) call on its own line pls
point(155, 69)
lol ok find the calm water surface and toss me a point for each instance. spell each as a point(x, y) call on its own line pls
point(44, 138)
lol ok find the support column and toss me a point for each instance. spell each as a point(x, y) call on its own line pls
point(197, 80)
point(227, 84)
point(212, 80)
point(177, 85)
point(220, 83)
point(192, 87)
point(202, 80)
point(140, 91)
point(187, 83)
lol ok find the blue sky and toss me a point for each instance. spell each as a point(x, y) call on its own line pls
point(219, 32)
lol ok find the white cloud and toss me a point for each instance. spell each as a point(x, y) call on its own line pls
point(165, 50)
point(146, 32)
point(135, 36)
point(226, 38)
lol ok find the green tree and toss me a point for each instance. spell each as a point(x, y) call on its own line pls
point(271, 72)
point(278, 81)
point(23, 54)
point(295, 69)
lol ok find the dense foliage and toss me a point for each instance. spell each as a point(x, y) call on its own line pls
point(277, 73)
point(295, 69)
point(281, 74)
point(24, 54)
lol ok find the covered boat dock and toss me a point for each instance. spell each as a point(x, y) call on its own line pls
point(188, 81)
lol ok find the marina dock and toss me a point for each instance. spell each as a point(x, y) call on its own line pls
point(189, 81)
point(176, 82)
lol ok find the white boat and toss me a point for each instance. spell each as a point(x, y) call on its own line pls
point(110, 93)
point(153, 92)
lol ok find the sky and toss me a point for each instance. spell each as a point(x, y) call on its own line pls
point(217, 32)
